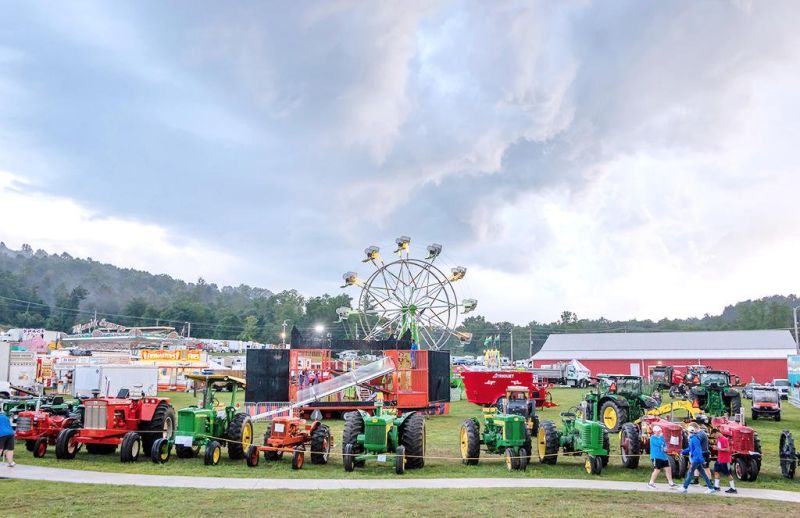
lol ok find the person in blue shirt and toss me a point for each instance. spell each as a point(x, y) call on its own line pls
point(696, 460)
point(658, 456)
point(7, 439)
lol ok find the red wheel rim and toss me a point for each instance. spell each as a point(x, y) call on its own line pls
point(41, 449)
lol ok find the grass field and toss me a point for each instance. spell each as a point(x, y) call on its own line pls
point(442, 449)
point(25, 499)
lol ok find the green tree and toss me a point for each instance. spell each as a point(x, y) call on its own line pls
point(250, 331)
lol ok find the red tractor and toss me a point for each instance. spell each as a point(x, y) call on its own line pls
point(39, 428)
point(132, 423)
point(291, 435)
point(635, 440)
point(745, 447)
point(669, 377)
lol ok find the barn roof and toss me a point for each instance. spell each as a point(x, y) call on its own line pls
point(766, 344)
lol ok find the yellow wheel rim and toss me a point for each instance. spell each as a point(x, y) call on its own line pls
point(541, 443)
point(164, 450)
point(587, 465)
point(464, 443)
point(247, 435)
point(508, 459)
point(610, 417)
point(215, 455)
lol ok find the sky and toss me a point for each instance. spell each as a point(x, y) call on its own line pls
point(617, 159)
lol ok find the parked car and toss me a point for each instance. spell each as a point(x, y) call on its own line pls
point(748, 390)
point(783, 386)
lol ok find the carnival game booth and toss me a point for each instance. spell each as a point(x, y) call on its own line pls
point(407, 379)
point(173, 366)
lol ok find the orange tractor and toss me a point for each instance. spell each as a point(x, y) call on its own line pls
point(292, 435)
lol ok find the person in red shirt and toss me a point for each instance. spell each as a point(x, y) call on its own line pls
point(722, 466)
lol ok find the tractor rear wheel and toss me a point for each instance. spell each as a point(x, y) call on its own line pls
point(161, 425)
point(161, 451)
point(131, 447)
point(321, 444)
point(630, 446)
point(607, 447)
point(548, 442)
point(735, 404)
point(347, 457)
point(40, 447)
point(788, 455)
point(213, 453)
point(400, 460)
point(470, 441)
point(742, 469)
point(612, 416)
point(66, 445)
point(101, 449)
point(353, 426)
point(252, 456)
point(186, 452)
point(240, 436)
point(298, 457)
point(412, 438)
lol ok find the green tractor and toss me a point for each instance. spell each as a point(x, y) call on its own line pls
point(618, 399)
point(714, 394)
point(507, 430)
point(578, 437)
point(385, 437)
point(209, 424)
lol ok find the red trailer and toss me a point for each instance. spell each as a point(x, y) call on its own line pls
point(486, 387)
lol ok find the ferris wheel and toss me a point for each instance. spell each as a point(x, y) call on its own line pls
point(408, 295)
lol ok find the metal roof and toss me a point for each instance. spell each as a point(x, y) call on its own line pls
point(758, 344)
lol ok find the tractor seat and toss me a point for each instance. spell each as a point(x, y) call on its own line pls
point(58, 400)
point(568, 414)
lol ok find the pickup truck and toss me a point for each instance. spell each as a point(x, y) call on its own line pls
point(783, 387)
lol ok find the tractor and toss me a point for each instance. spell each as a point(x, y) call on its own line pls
point(634, 440)
point(208, 424)
point(714, 394)
point(618, 399)
point(40, 427)
point(383, 436)
point(579, 436)
point(292, 435)
point(745, 447)
point(766, 402)
point(788, 454)
point(507, 430)
point(131, 421)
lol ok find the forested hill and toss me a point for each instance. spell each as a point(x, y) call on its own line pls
point(38, 289)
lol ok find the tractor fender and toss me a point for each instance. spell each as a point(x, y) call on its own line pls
point(620, 401)
point(400, 420)
point(730, 392)
point(148, 409)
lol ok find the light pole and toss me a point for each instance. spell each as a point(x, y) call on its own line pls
point(796, 341)
point(319, 329)
point(283, 334)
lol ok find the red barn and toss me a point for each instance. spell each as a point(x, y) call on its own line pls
point(748, 354)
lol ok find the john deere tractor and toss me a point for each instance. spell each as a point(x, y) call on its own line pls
point(385, 437)
point(507, 430)
point(616, 400)
point(578, 437)
point(714, 394)
point(210, 424)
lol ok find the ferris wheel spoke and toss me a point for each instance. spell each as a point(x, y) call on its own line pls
point(436, 316)
point(385, 325)
point(431, 341)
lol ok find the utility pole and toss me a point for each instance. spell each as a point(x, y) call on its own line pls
point(530, 338)
point(189, 332)
point(796, 341)
point(511, 334)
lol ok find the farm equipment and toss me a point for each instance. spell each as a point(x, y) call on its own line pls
point(292, 435)
point(634, 440)
point(507, 430)
point(578, 437)
point(766, 403)
point(383, 436)
point(745, 447)
point(618, 399)
point(208, 424)
point(485, 388)
point(788, 454)
point(40, 427)
point(714, 394)
point(130, 421)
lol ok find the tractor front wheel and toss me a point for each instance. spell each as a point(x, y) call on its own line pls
point(788, 455)
point(252, 456)
point(512, 459)
point(213, 453)
point(240, 436)
point(470, 441)
point(607, 447)
point(400, 460)
point(548, 443)
point(593, 465)
point(66, 444)
point(630, 446)
point(29, 445)
point(161, 451)
point(321, 442)
point(612, 416)
point(130, 448)
point(524, 459)
point(40, 447)
point(412, 438)
point(347, 457)
point(755, 468)
point(298, 458)
point(741, 467)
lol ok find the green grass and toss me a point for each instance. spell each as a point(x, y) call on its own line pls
point(442, 442)
point(25, 499)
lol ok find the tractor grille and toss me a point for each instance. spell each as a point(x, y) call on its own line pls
point(375, 434)
point(24, 424)
point(95, 417)
point(586, 435)
point(743, 440)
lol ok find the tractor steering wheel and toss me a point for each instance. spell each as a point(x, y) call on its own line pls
point(215, 402)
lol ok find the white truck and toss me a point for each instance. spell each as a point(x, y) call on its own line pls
point(109, 379)
point(572, 373)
